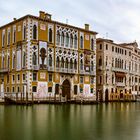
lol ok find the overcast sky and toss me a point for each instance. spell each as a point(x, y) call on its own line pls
point(115, 19)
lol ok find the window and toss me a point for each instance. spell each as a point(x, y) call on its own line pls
point(81, 42)
point(57, 89)
point(34, 32)
point(67, 39)
point(71, 41)
point(106, 46)
point(92, 44)
point(62, 39)
point(8, 40)
point(75, 41)
point(57, 62)
point(50, 60)
point(116, 49)
point(58, 37)
point(50, 77)
point(62, 63)
point(49, 89)
point(112, 48)
point(24, 32)
point(34, 76)
point(18, 77)
point(50, 35)
point(66, 64)
point(71, 64)
point(129, 53)
point(100, 46)
point(92, 66)
point(18, 89)
point(34, 89)
point(91, 90)
point(34, 58)
point(14, 62)
point(7, 89)
point(24, 59)
point(75, 89)
point(13, 89)
point(3, 39)
point(100, 79)
point(8, 62)
point(81, 65)
point(81, 80)
point(125, 52)
point(75, 64)
point(23, 76)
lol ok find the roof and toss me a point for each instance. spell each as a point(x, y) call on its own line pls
point(46, 20)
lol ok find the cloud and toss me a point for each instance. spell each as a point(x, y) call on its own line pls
point(119, 18)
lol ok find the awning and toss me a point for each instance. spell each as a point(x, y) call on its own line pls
point(119, 74)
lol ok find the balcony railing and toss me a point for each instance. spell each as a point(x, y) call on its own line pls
point(3, 70)
point(66, 70)
point(120, 84)
point(35, 67)
point(119, 70)
point(50, 68)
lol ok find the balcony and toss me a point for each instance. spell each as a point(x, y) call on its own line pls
point(92, 73)
point(119, 84)
point(4, 70)
point(50, 68)
point(119, 70)
point(65, 70)
point(35, 67)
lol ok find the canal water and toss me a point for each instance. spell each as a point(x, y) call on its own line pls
point(112, 121)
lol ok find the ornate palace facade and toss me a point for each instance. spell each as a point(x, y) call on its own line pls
point(118, 70)
point(47, 58)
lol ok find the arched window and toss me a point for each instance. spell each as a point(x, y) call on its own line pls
point(81, 42)
point(8, 38)
point(92, 44)
point(62, 62)
point(62, 39)
point(71, 64)
point(50, 35)
point(116, 62)
point(3, 40)
point(57, 62)
point(67, 39)
point(34, 58)
point(75, 64)
point(24, 33)
point(66, 64)
point(24, 59)
point(34, 32)
point(50, 60)
point(57, 89)
point(75, 41)
point(71, 41)
point(14, 61)
point(58, 37)
point(81, 64)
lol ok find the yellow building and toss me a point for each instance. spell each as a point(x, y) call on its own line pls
point(47, 58)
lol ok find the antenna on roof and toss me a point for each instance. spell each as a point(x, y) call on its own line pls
point(106, 35)
point(67, 21)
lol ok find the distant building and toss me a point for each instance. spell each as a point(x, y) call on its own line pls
point(47, 58)
point(118, 70)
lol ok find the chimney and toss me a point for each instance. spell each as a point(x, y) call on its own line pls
point(87, 27)
point(14, 19)
point(48, 16)
point(42, 14)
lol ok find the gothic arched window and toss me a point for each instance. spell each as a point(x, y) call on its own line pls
point(34, 32)
point(50, 60)
point(92, 44)
point(24, 59)
point(71, 41)
point(66, 65)
point(81, 64)
point(75, 41)
point(57, 62)
point(71, 64)
point(50, 35)
point(34, 58)
point(62, 39)
point(81, 42)
point(58, 37)
point(75, 64)
point(62, 63)
point(67, 39)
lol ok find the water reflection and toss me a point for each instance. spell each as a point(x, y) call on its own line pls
point(72, 122)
